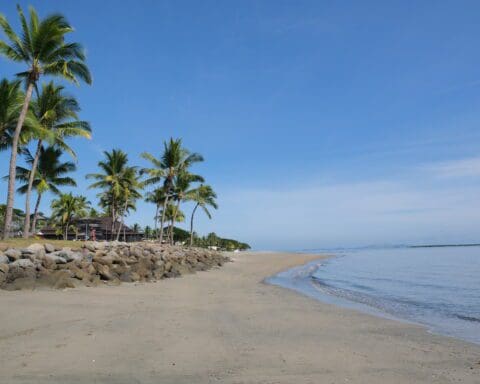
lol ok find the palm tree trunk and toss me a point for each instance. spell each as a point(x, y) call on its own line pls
point(13, 162)
point(31, 177)
point(191, 225)
point(65, 235)
point(123, 221)
point(165, 202)
point(156, 217)
point(174, 219)
point(35, 214)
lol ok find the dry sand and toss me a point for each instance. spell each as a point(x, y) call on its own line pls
point(220, 326)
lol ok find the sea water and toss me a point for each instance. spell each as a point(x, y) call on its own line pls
point(438, 287)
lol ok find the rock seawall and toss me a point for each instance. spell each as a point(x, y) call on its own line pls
point(44, 265)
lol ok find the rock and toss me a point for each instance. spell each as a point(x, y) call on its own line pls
point(34, 251)
point(13, 254)
point(55, 258)
point(4, 259)
point(68, 255)
point(104, 272)
point(49, 247)
point(24, 263)
point(4, 268)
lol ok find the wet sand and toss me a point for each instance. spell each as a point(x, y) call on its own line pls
point(220, 326)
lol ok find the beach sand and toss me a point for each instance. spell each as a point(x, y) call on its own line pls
point(220, 326)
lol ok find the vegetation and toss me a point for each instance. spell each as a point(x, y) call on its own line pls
point(67, 208)
point(41, 46)
point(38, 120)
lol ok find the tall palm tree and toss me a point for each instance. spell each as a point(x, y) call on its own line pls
point(113, 172)
point(49, 175)
point(66, 209)
point(56, 114)
point(42, 48)
point(173, 160)
point(204, 196)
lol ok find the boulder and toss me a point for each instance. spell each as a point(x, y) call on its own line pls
point(55, 258)
point(49, 247)
point(4, 259)
point(69, 255)
point(13, 254)
point(23, 263)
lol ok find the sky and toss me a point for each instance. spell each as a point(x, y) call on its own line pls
point(322, 123)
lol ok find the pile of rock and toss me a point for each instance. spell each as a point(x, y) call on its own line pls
point(100, 262)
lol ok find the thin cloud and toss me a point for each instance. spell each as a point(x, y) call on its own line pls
point(468, 167)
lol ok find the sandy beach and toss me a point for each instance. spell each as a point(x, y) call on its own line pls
point(219, 326)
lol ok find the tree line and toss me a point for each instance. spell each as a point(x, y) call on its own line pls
point(38, 119)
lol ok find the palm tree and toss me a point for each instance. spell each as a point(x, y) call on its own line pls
point(112, 180)
point(10, 105)
point(172, 216)
point(11, 100)
point(56, 114)
point(173, 160)
point(130, 186)
point(204, 196)
point(157, 197)
point(49, 175)
point(182, 188)
point(66, 209)
point(147, 232)
point(42, 48)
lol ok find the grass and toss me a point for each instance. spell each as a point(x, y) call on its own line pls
point(22, 243)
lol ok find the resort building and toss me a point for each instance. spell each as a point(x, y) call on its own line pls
point(93, 228)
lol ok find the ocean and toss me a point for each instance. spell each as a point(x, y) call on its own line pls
point(438, 287)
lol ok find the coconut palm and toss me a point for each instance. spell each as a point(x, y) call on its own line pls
point(56, 114)
point(182, 187)
point(120, 184)
point(42, 48)
point(172, 216)
point(49, 175)
point(147, 232)
point(157, 197)
point(173, 160)
point(66, 209)
point(11, 100)
point(130, 192)
point(203, 196)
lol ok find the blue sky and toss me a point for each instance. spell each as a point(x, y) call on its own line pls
point(322, 123)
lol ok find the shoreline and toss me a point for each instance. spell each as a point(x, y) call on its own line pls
point(248, 332)
point(306, 285)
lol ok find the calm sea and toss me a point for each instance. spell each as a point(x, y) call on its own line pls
point(438, 287)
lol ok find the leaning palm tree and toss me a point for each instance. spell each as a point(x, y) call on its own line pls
point(113, 171)
point(66, 209)
point(172, 161)
point(203, 197)
point(49, 175)
point(56, 114)
point(42, 48)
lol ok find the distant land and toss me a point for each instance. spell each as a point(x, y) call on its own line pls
point(444, 245)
